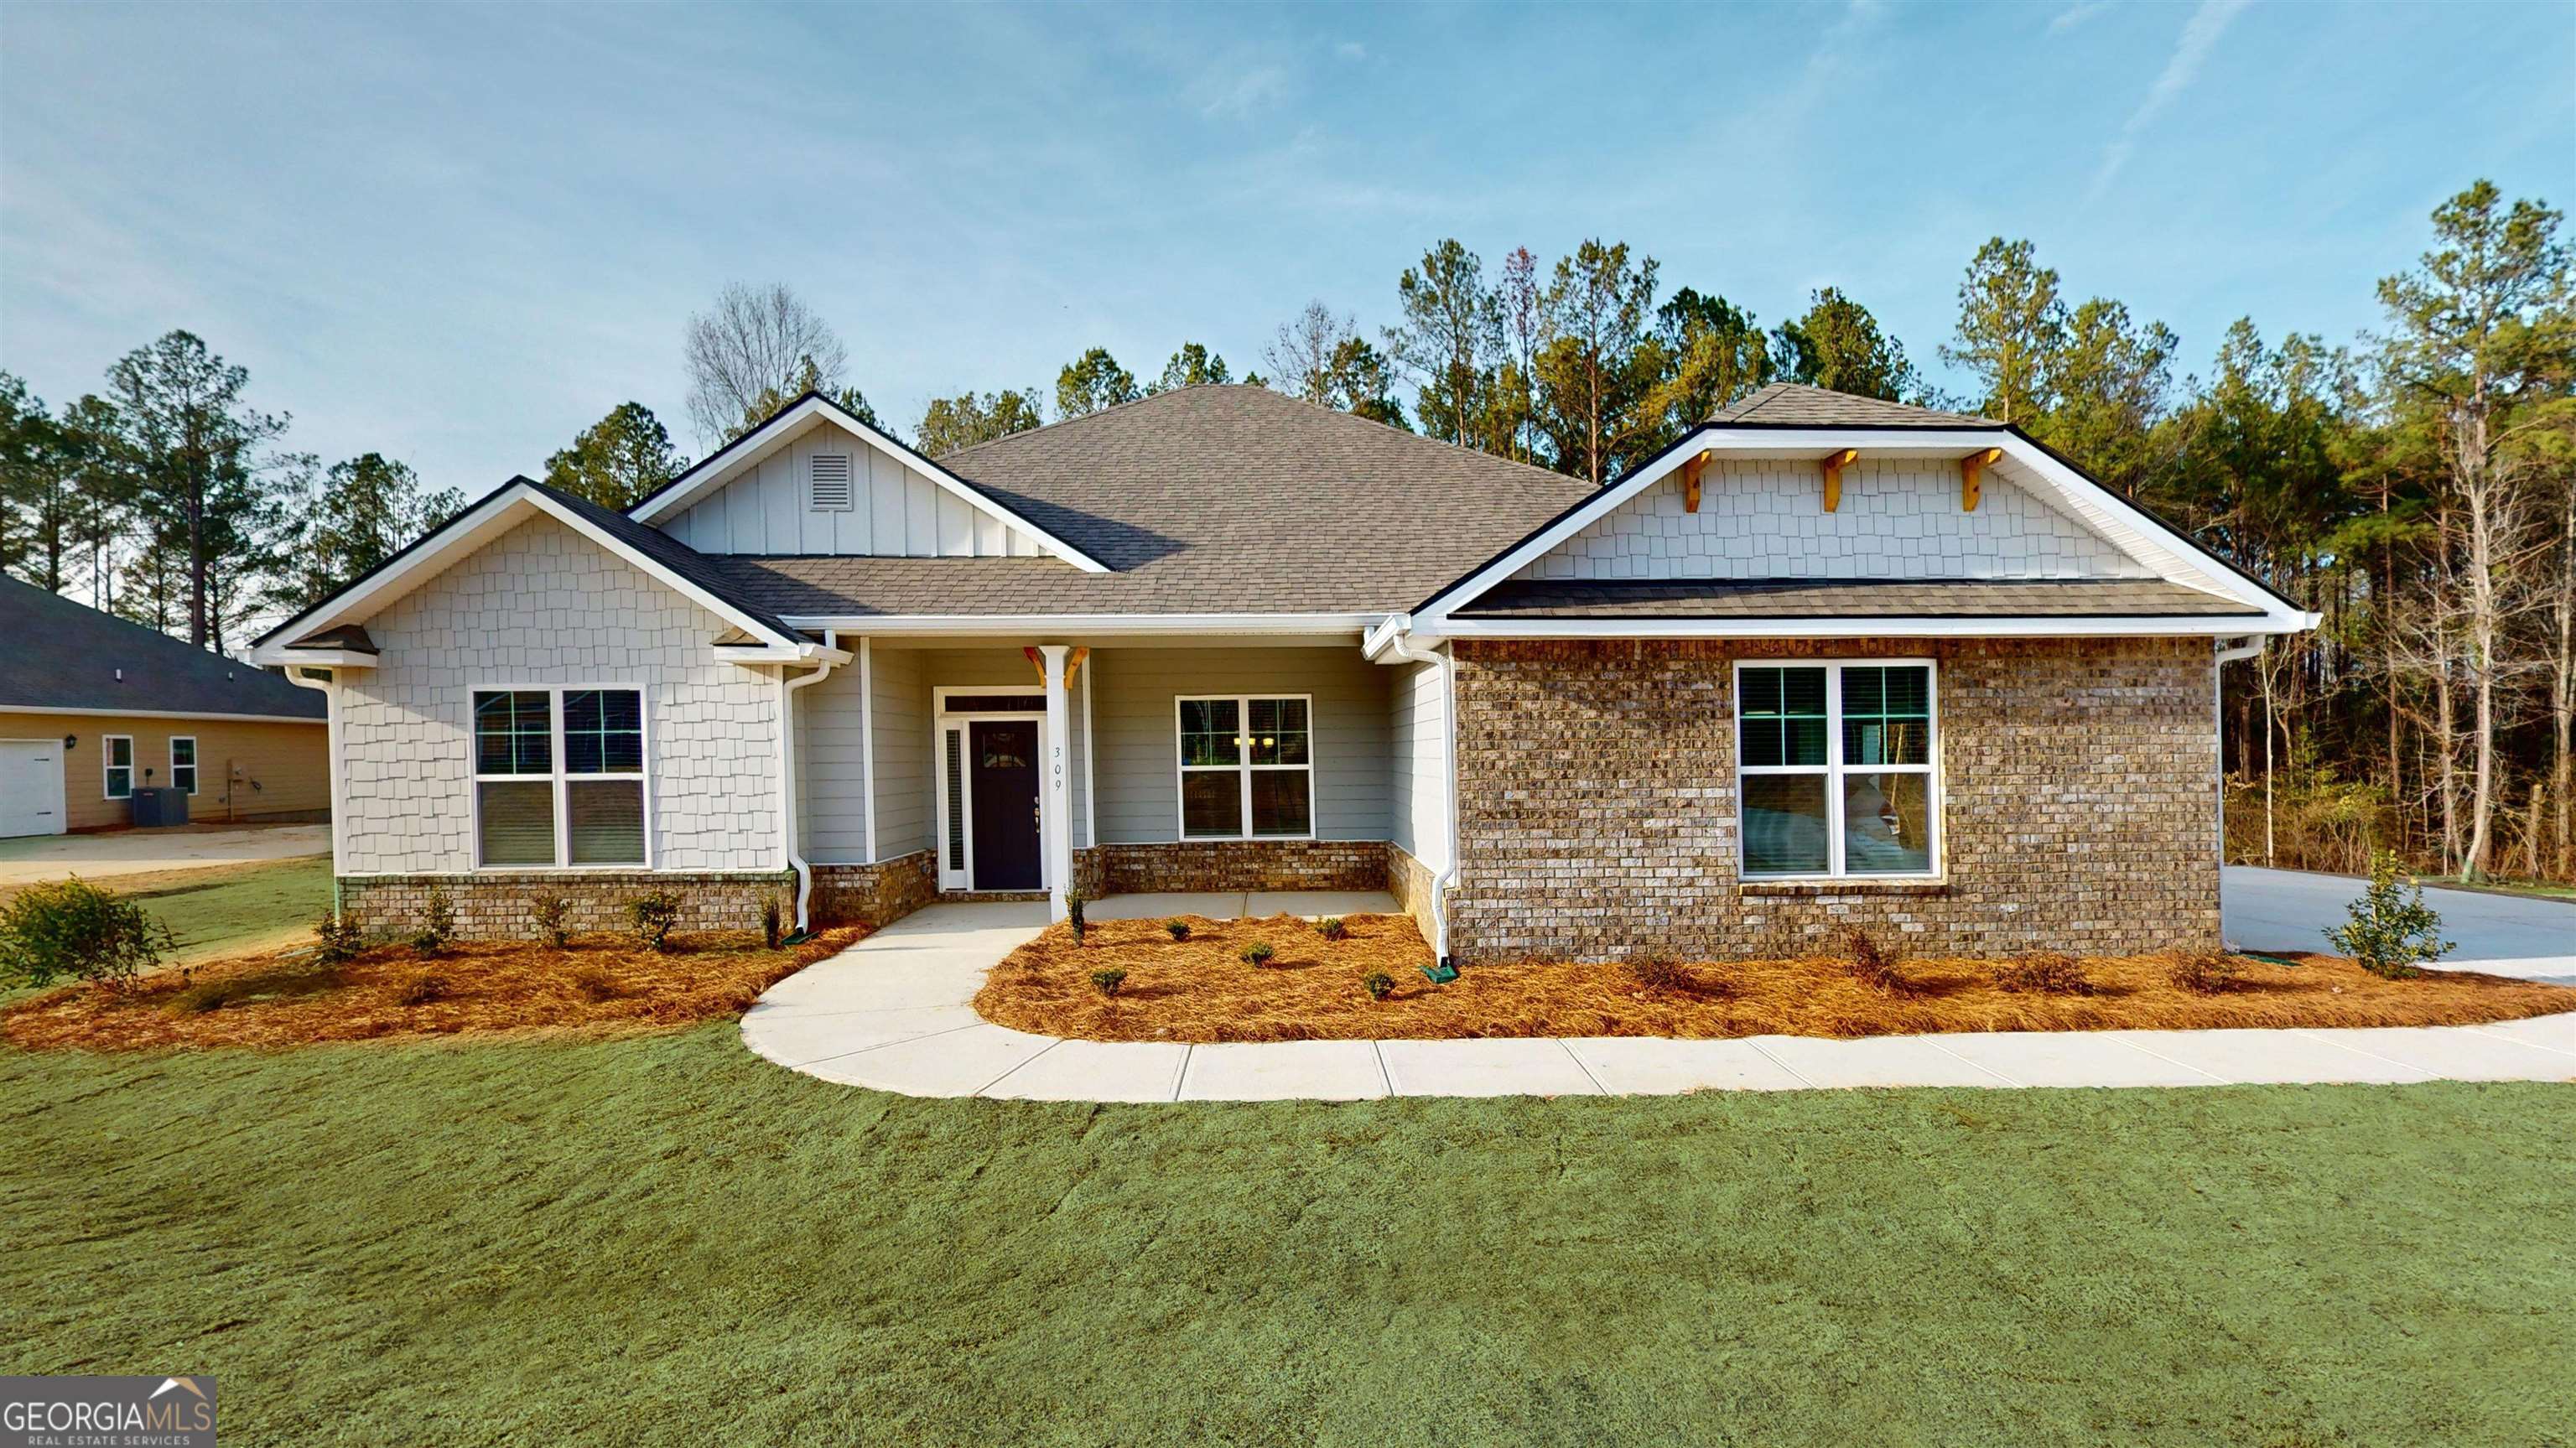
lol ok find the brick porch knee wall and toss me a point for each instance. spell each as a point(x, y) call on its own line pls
point(1231, 865)
point(1597, 802)
point(878, 894)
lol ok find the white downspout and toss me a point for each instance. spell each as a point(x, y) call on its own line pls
point(2247, 647)
point(787, 688)
point(1400, 643)
point(329, 689)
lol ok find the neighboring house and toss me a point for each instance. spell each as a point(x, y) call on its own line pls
point(1826, 660)
point(93, 708)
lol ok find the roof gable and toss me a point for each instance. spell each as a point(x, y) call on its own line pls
point(754, 495)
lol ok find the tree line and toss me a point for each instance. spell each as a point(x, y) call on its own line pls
point(2415, 485)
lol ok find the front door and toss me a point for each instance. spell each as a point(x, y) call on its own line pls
point(1004, 755)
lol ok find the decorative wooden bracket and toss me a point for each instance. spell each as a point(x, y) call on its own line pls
point(1834, 464)
point(1072, 664)
point(1972, 476)
point(1690, 479)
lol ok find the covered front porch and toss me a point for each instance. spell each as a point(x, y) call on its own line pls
point(1163, 774)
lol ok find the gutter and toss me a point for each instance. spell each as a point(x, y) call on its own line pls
point(2247, 646)
point(831, 657)
point(1394, 638)
point(333, 770)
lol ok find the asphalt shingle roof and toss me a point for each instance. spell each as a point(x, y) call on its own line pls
point(1858, 598)
point(1791, 404)
point(1213, 499)
point(65, 655)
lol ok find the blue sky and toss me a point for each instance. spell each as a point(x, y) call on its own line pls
point(457, 234)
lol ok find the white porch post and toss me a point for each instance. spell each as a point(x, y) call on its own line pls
point(1056, 788)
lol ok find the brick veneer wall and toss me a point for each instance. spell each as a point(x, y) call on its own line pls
point(1411, 882)
point(878, 894)
point(1597, 802)
point(494, 906)
point(1232, 865)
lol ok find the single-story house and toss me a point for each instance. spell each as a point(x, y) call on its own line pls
point(1826, 660)
point(93, 708)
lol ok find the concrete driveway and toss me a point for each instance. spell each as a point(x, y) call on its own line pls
point(2281, 910)
point(26, 860)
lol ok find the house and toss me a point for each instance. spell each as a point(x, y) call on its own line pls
point(1825, 660)
point(93, 708)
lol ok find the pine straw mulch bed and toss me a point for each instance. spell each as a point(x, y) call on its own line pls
point(1200, 990)
point(599, 984)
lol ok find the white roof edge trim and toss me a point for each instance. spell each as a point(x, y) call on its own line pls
point(2184, 626)
point(890, 623)
point(2175, 558)
point(160, 714)
point(729, 463)
point(431, 557)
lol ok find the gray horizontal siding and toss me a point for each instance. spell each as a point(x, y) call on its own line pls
point(1134, 710)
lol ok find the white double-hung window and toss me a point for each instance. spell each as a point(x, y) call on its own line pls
point(1835, 769)
point(558, 777)
point(1247, 767)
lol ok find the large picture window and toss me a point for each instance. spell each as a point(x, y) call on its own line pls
point(1247, 768)
point(558, 777)
point(1834, 769)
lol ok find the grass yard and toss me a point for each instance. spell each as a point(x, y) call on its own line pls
point(1312, 988)
point(228, 909)
point(660, 1239)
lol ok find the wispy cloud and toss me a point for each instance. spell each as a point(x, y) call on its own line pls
point(2074, 15)
point(1351, 50)
point(1242, 92)
point(2199, 36)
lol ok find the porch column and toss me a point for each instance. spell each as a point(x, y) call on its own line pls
point(1055, 835)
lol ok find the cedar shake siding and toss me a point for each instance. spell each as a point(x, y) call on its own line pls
point(1597, 803)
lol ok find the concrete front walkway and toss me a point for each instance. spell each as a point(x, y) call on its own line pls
point(893, 1013)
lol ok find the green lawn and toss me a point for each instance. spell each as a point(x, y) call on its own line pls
point(664, 1240)
point(238, 909)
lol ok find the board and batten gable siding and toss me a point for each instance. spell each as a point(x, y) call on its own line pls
point(1898, 518)
point(1135, 711)
point(543, 605)
point(895, 510)
point(1418, 764)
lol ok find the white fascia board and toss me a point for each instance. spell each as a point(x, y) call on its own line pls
point(160, 714)
point(505, 509)
point(771, 654)
point(881, 624)
point(728, 463)
point(328, 658)
point(2175, 558)
point(2185, 626)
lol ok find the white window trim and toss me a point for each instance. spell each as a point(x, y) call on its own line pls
point(942, 720)
point(107, 766)
point(1834, 770)
point(556, 775)
point(1242, 765)
point(194, 772)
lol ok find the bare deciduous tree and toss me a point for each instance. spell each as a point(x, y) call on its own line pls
point(755, 343)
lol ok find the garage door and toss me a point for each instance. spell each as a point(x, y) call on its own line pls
point(31, 787)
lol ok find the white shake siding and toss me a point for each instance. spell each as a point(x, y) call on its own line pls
point(1898, 518)
point(543, 605)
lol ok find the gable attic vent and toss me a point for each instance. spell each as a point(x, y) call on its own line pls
point(827, 481)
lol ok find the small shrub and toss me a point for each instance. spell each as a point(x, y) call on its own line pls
point(337, 939)
point(424, 988)
point(1880, 967)
point(1074, 900)
point(1108, 981)
point(2043, 974)
point(1177, 929)
point(2392, 930)
point(1257, 953)
point(1656, 972)
point(437, 923)
point(654, 915)
point(595, 983)
point(771, 918)
point(1332, 927)
point(74, 928)
point(551, 913)
point(2206, 972)
point(1379, 984)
